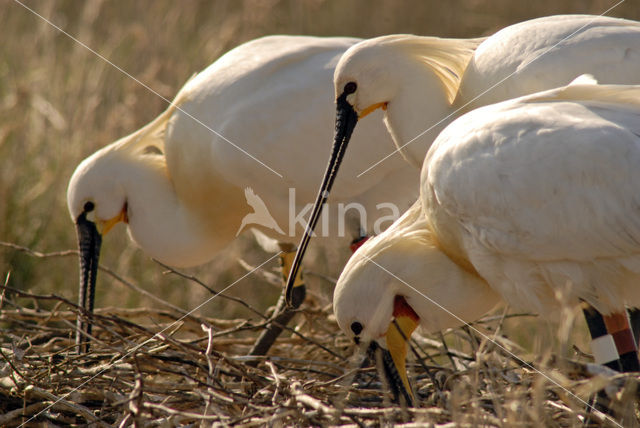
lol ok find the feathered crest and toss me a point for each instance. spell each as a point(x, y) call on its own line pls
point(448, 58)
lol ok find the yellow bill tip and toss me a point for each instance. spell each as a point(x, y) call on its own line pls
point(398, 334)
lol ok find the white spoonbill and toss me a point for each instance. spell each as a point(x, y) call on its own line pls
point(417, 81)
point(535, 200)
point(182, 183)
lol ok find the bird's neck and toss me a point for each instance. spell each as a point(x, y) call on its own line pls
point(441, 291)
point(161, 223)
point(444, 292)
point(418, 112)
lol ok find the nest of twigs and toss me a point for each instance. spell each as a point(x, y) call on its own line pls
point(151, 367)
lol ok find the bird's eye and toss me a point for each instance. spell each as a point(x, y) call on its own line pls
point(356, 328)
point(88, 207)
point(350, 88)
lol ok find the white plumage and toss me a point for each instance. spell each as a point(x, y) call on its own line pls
point(259, 118)
point(535, 200)
point(182, 184)
point(423, 83)
point(549, 52)
point(401, 73)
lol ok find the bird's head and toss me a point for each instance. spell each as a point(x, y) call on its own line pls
point(400, 280)
point(380, 320)
point(374, 72)
point(364, 77)
point(390, 73)
point(371, 302)
point(96, 195)
point(96, 202)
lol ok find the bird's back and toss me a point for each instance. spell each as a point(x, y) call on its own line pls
point(548, 52)
point(272, 98)
point(544, 190)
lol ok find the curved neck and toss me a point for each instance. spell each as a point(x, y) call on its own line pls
point(443, 292)
point(159, 221)
point(457, 296)
point(418, 112)
point(406, 260)
point(440, 291)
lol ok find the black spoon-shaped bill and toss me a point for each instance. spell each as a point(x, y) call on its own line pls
point(89, 242)
point(346, 119)
point(392, 375)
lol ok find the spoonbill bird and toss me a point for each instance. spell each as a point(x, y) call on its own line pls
point(242, 132)
point(534, 200)
point(419, 82)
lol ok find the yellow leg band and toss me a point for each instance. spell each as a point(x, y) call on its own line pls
point(286, 260)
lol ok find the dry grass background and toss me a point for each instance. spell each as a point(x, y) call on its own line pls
point(59, 103)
